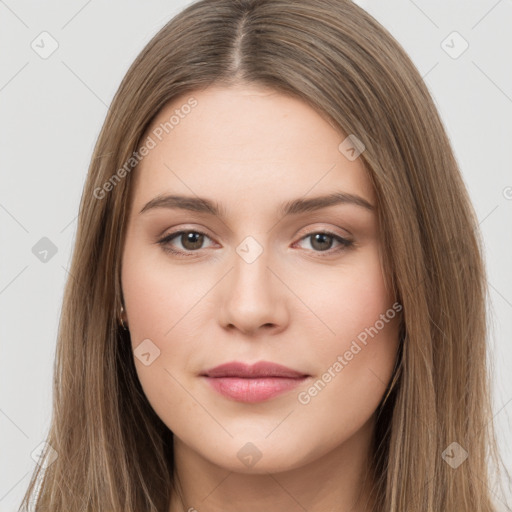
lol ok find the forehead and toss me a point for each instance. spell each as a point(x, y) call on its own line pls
point(261, 143)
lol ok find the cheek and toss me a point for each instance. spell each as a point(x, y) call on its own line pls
point(355, 360)
point(353, 381)
point(349, 301)
point(155, 302)
point(163, 322)
point(156, 294)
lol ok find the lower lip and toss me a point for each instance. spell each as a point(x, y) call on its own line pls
point(253, 390)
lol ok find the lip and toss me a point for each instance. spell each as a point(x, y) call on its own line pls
point(252, 383)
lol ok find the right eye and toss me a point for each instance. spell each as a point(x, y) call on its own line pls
point(191, 241)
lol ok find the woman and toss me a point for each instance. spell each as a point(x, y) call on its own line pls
point(277, 298)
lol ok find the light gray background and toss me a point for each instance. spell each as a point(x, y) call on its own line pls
point(51, 112)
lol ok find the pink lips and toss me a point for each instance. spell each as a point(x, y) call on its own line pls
point(256, 383)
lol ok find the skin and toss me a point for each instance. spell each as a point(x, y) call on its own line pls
point(251, 149)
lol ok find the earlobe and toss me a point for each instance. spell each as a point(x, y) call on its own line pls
point(123, 320)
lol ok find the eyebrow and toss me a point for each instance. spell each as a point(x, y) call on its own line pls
point(293, 207)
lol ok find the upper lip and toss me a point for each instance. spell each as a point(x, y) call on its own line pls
point(257, 370)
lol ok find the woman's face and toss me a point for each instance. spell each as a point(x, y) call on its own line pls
point(256, 280)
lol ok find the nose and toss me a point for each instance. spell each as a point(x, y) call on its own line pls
point(254, 298)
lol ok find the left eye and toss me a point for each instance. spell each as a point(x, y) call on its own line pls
point(192, 241)
point(322, 241)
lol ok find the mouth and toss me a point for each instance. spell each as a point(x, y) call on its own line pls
point(253, 383)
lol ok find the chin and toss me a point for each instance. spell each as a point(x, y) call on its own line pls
point(257, 457)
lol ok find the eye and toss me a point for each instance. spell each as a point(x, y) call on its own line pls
point(322, 241)
point(190, 240)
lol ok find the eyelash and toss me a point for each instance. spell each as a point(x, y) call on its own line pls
point(164, 242)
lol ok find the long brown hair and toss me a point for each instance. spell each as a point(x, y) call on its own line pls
point(114, 453)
